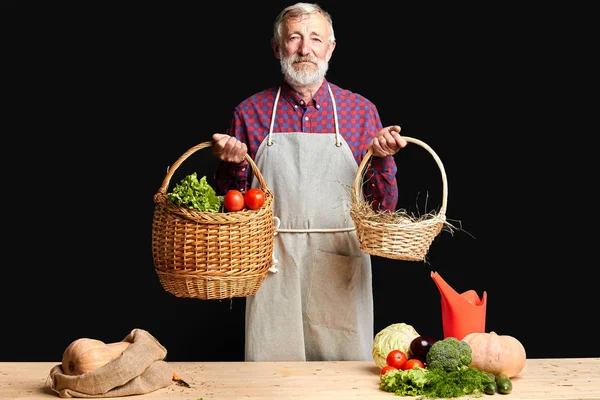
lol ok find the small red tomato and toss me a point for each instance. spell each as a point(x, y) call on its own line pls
point(396, 358)
point(386, 369)
point(254, 198)
point(233, 200)
point(413, 363)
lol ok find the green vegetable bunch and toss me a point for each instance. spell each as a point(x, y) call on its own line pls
point(447, 375)
point(449, 354)
point(196, 194)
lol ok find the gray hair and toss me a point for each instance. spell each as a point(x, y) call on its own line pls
point(298, 10)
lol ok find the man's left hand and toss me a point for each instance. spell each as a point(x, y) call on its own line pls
point(387, 142)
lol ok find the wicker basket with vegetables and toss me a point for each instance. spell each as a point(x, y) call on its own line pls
point(201, 250)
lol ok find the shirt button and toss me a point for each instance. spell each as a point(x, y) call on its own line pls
point(295, 105)
point(243, 169)
point(318, 106)
point(306, 118)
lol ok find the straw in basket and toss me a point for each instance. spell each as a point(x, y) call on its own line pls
point(209, 255)
point(391, 235)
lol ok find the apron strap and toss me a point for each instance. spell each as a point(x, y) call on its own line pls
point(270, 137)
point(338, 140)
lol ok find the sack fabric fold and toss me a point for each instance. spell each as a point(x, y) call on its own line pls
point(140, 369)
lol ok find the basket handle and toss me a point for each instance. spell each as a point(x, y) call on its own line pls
point(200, 146)
point(357, 180)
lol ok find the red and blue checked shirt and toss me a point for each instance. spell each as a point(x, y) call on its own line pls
point(358, 121)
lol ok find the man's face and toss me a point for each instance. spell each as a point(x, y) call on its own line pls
point(305, 49)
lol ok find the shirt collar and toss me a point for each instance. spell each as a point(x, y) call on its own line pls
point(319, 100)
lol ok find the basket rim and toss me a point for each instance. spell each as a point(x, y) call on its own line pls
point(206, 217)
point(165, 183)
point(359, 173)
point(161, 198)
point(433, 220)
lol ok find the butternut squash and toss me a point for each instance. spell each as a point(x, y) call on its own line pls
point(86, 355)
point(496, 354)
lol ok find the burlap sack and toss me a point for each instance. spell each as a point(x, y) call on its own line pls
point(140, 369)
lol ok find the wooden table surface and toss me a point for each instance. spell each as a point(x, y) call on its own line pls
point(547, 379)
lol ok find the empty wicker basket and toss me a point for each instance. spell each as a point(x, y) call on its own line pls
point(208, 255)
point(396, 236)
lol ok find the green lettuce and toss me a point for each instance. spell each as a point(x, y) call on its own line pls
point(196, 194)
point(405, 383)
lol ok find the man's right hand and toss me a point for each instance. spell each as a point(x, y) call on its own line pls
point(228, 148)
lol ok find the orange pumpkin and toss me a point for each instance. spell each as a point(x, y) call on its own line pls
point(496, 354)
point(85, 355)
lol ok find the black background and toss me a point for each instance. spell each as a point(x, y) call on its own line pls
point(119, 98)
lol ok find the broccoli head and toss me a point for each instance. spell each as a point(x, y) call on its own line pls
point(449, 354)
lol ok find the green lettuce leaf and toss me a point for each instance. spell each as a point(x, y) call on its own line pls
point(405, 383)
point(196, 194)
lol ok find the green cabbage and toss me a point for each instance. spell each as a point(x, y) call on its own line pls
point(394, 337)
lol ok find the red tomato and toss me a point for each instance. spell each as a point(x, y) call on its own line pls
point(254, 198)
point(233, 200)
point(386, 369)
point(413, 363)
point(396, 358)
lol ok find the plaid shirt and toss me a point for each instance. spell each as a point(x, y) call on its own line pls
point(358, 122)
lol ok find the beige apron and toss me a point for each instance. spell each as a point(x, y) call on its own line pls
point(319, 303)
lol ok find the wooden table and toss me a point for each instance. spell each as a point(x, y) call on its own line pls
point(548, 379)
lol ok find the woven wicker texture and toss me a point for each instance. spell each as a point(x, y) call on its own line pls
point(208, 255)
point(404, 239)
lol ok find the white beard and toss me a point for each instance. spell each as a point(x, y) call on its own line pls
point(304, 76)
